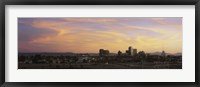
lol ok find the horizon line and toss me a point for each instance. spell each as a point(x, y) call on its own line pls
point(97, 52)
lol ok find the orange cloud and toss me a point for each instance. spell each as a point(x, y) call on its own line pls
point(70, 37)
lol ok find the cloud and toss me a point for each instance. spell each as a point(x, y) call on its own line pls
point(109, 40)
point(94, 20)
point(74, 34)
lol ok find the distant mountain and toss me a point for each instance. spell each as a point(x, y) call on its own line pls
point(177, 54)
point(159, 53)
point(155, 53)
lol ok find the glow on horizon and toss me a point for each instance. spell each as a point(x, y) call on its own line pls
point(88, 35)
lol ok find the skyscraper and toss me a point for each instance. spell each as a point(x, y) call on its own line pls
point(130, 51)
point(134, 51)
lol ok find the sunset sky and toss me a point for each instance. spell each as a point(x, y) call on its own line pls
point(88, 35)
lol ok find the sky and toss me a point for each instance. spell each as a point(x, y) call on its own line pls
point(89, 34)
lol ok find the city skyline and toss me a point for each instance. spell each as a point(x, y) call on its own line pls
point(88, 35)
point(123, 52)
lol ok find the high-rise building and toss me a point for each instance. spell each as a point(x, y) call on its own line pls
point(127, 52)
point(130, 51)
point(134, 51)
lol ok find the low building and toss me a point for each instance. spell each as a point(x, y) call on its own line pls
point(103, 52)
